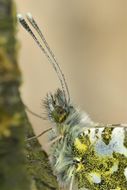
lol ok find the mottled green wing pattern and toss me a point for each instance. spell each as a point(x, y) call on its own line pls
point(102, 159)
point(88, 157)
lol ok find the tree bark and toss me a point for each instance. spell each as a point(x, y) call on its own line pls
point(20, 163)
point(38, 165)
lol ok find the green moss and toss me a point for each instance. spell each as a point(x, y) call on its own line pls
point(7, 122)
point(38, 165)
point(8, 71)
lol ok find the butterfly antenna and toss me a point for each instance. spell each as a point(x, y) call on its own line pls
point(36, 27)
point(28, 29)
point(33, 113)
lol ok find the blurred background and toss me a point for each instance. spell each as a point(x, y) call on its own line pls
point(89, 39)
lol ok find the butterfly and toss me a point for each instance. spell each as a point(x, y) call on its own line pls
point(84, 155)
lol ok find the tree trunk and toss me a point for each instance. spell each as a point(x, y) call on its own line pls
point(20, 163)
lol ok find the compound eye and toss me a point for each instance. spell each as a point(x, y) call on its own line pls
point(60, 110)
point(61, 113)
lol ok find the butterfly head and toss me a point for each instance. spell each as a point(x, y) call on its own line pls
point(57, 107)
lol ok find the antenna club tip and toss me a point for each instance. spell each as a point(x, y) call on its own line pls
point(20, 17)
point(29, 15)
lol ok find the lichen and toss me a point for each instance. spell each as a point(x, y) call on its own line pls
point(8, 71)
point(8, 121)
point(38, 165)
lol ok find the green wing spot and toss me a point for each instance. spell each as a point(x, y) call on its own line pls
point(107, 135)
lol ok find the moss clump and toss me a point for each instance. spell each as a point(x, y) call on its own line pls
point(8, 70)
point(7, 122)
point(38, 165)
